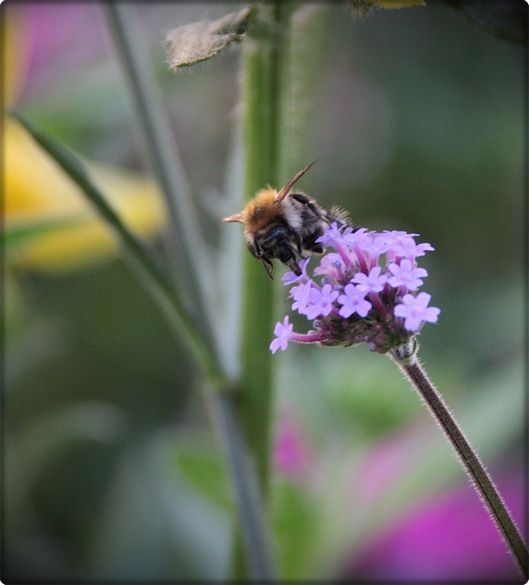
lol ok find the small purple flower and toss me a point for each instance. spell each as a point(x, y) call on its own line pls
point(405, 274)
point(375, 245)
point(301, 295)
point(321, 302)
point(415, 311)
point(405, 247)
point(331, 265)
point(291, 278)
point(282, 332)
point(372, 282)
point(353, 301)
point(332, 236)
point(357, 237)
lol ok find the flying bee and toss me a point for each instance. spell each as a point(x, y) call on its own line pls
point(281, 224)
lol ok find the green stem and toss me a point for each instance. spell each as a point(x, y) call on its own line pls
point(261, 97)
point(260, 145)
point(163, 155)
point(482, 481)
point(252, 520)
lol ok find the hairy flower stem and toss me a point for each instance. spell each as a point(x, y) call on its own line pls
point(468, 457)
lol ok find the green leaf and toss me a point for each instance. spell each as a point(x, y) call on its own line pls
point(296, 530)
point(202, 40)
point(205, 471)
point(21, 232)
point(143, 266)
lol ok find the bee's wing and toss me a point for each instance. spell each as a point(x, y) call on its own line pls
point(283, 192)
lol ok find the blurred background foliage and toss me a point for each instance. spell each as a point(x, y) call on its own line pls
point(417, 118)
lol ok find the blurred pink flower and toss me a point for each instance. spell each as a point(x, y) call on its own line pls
point(292, 454)
point(60, 37)
point(450, 538)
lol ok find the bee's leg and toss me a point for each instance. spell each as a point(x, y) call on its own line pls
point(294, 266)
point(298, 242)
point(253, 250)
point(268, 266)
point(308, 203)
point(310, 244)
point(288, 257)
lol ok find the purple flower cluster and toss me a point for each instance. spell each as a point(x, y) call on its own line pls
point(364, 290)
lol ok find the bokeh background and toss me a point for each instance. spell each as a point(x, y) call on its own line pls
point(418, 120)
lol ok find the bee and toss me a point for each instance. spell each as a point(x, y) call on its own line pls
point(283, 225)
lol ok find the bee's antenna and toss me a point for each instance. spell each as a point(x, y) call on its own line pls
point(233, 218)
point(283, 192)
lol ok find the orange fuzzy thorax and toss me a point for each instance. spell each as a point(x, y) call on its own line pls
point(261, 210)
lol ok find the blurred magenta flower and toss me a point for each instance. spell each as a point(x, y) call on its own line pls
point(293, 456)
point(60, 33)
point(449, 539)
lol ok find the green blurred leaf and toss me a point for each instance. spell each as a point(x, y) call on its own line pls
point(205, 471)
point(21, 232)
point(296, 530)
point(202, 40)
point(154, 528)
point(143, 265)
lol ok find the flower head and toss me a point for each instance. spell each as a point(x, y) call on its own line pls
point(364, 289)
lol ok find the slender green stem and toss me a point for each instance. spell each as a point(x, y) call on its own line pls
point(252, 520)
point(482, 481)
point(163, 154)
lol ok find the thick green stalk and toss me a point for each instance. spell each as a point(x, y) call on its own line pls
point(266, 58)
point(256, 374)
point(261, 98)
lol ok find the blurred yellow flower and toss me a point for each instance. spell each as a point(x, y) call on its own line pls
point(40, 199)
point(37, 191)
